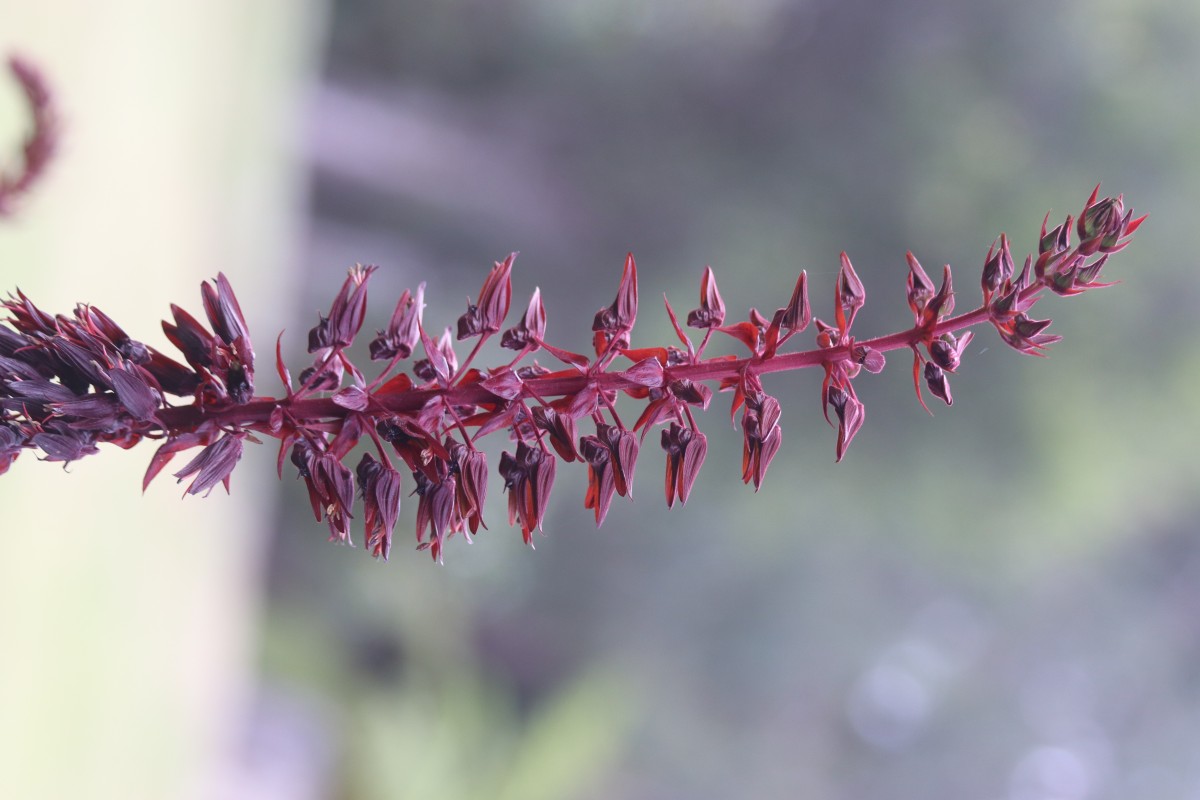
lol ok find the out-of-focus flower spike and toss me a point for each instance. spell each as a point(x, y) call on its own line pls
point(40, 143)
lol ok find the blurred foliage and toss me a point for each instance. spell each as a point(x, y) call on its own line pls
point(997, 602)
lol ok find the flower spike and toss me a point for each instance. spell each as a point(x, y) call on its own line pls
point(71, 382)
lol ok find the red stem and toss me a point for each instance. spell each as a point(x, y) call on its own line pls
point(183, 418)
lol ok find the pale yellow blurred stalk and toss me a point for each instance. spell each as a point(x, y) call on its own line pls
point(127, 622)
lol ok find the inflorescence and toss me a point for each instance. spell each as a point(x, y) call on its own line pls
point(70, 383)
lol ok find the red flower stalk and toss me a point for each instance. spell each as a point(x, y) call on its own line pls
point(69, 383)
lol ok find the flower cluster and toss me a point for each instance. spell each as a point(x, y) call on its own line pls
point(70, 383)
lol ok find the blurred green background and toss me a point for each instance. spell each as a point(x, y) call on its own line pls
point(1001, 602)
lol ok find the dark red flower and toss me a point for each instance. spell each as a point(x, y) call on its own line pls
point(798, 313)
point(711, 313)
point(487, 315)
point(851, 415)
point(403, 330)
point(470, 466)
point(436, 509)
point(379, 485)
point(214, 464)
point(618, 319)
point(528, 478)
point(330, 488)
point(686, 449)
point(761, 436)
point(623, 448)
point(939, 384)
point(601, 485)
point(850, 295)
point(561, 429)
point(347, 313)
point(527, 335)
